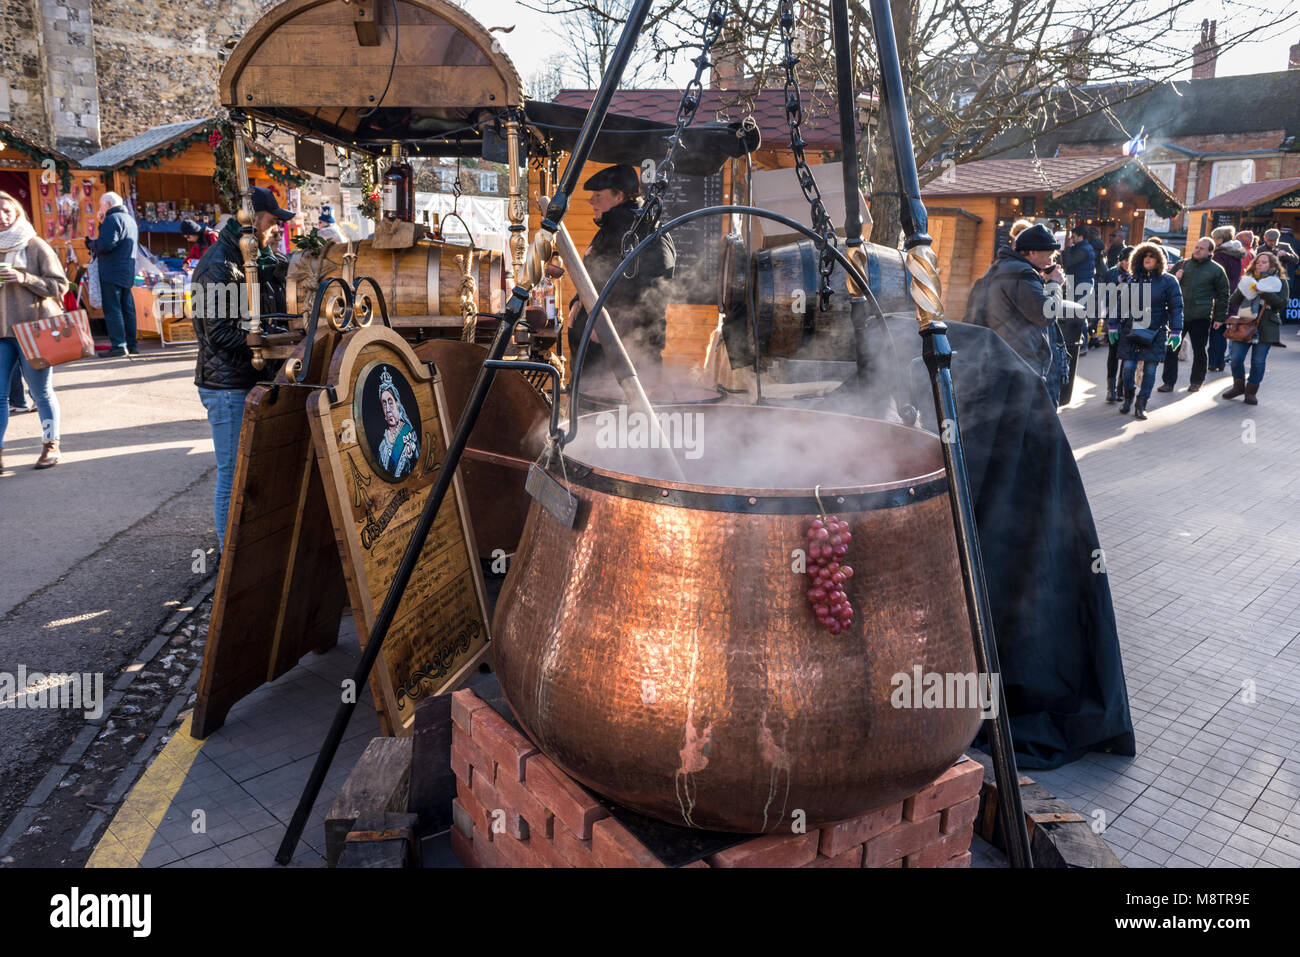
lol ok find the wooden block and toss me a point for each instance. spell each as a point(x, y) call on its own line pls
point(502, 743)
point(907, 837)
point(957, 784)
point(772, 850)
point(1071, 844)
point(380, 781)
point(565, 798)
point(381, 839)
point(433, 779)
point(612, 845)
point(839, 837)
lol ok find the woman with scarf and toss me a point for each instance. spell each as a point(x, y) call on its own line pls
point(1265, 291)
point(1151, 320)
point(32, 282)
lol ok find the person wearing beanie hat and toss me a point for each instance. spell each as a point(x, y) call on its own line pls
point(200, 238)
point(1019, 298)
point(326, 228)
point(637, 305)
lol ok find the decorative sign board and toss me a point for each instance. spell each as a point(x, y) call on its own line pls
point(380, 443)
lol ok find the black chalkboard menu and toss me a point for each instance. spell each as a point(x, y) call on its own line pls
point(699, 243)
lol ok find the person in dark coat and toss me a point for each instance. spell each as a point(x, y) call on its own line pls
point(1058, 644)
point(1230, 254)
point(1205, 291)
point(637, 305)
point(1264, 288)
point(224, 371)
point(1013, 300)
point(115, 250)
point(1116, 248)
point(199, 236)
point(1079, 262)
point(1116, 277)
point(1150, 322)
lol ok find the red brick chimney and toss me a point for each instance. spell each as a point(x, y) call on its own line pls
point(1293, 62)
point(1077, 70)
point(728, 63)
point(1205, 55)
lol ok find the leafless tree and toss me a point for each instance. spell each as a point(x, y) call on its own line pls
point(980, 76)
point(586, 32)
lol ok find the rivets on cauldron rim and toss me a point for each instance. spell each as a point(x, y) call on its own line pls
point(911, 491)
point(753, 501)
point(664, 493)
point(839, 500)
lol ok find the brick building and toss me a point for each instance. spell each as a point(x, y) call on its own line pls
point(82, 75)
point(1202, 137)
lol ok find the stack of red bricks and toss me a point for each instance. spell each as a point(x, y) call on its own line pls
point(515, 808)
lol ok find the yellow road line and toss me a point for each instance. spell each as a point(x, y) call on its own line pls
point(133, 827)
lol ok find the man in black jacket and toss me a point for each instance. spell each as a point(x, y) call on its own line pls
point(637, 305)
point(1013, 300)
point(224, 371)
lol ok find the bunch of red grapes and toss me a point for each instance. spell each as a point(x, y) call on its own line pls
point(828, 544)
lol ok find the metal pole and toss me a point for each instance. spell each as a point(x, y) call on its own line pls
point(924, 270)
point(538, 254)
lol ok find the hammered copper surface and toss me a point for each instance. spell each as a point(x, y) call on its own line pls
point(668, 658)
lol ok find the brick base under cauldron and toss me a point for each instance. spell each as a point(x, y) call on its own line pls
point(543, 818)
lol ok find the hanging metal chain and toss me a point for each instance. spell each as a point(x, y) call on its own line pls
point(652, 209)
point(821, 222)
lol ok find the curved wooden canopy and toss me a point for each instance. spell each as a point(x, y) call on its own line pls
point(321, 65)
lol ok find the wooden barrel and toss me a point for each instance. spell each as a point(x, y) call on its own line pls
point(780, 286)
point(423, 280)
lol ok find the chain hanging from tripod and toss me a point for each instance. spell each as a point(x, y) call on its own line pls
point(652, 209)
point(821, 222)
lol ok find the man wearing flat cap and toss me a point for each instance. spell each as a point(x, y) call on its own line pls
point(636, 305)
point(1019, 298)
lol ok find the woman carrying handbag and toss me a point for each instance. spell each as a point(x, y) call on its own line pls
point(1150, 324)
point(1264, 291)
point(31, 284)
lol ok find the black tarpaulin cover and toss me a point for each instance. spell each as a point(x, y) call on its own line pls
point(1050, 597)
point(630, 139)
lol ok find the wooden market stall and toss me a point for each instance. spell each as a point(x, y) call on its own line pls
point(1272, 204)
point(171, 173)
point(972, 207)
point(59, 199)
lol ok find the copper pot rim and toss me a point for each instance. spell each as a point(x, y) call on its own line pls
point(765, 500)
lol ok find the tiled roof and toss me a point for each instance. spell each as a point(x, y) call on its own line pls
point(1223, 105)
point(13, 133)
point(1003, 176)
point(820, 126)
point(137, 147)
point(1250, 195)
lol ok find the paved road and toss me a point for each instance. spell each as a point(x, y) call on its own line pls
point(98, 550)
point(1198, 511)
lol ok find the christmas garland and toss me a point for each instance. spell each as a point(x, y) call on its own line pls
point(36, 154)
point(369, 205)
point(220, 135)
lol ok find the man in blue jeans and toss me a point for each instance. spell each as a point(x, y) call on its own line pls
point(224, 371)
point(115, 250)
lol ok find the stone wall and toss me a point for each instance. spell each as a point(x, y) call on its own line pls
point(22, 82)
point(157, 62)
point(71, 86)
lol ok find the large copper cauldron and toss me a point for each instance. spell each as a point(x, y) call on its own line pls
point(664, 653)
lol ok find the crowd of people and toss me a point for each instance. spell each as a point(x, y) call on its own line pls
point(1228, 300)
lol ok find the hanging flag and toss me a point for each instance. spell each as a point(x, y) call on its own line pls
point(1137, 144)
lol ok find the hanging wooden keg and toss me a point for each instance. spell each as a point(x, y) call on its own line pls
point(664, 651)
point(423, 280)
point(780, 285)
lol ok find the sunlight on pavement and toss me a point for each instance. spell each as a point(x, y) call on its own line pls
point(1160, 416)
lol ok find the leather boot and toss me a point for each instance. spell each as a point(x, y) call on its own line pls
point(1251, 390)
point(1140, 409)
point(1238, 388)
point(1128, 402)
point(1112, 394)
point(49, 456)
point(1194, 387)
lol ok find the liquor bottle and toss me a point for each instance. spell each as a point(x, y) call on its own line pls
point(399, 189)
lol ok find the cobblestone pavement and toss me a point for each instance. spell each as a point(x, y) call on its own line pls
point(1198, 512)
